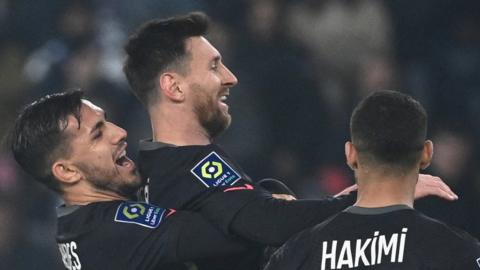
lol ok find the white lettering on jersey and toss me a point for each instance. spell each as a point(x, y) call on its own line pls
point(345, 255)
point(478, 262)
point(69, 256)
point(329, 256)
point(353, 253)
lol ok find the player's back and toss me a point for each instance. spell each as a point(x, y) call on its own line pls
point(394, 237)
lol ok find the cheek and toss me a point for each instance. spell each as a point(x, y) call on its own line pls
point(99, 156)
point(211, 80)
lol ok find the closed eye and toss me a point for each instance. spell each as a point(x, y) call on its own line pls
point(97, 135)
point(96, 132)
point(215, 63)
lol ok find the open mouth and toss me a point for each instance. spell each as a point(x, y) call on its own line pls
point(223, 99)
point(122, 160)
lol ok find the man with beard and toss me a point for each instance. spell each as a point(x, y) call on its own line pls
point(66, 143)
point(181, 80)
point(387, 150)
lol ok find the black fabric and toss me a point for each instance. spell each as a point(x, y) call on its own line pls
point(243, 209)
point(272, 222)
point(275, 186)
point(171, 183)
point(429, 244)
point(90, 238)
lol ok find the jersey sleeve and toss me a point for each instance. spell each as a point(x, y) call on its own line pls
point(178, 176)
point(204, 179)
point(198, 239)
point(469, 254)
point(264, 219)
point(144, 236)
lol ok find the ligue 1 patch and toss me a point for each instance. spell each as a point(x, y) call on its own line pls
point(140, 213)
point(213, 171)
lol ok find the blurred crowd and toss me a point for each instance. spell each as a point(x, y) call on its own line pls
point(302, 66)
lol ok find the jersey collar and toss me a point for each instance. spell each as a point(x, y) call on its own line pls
point(375, 210)
point(149, 145)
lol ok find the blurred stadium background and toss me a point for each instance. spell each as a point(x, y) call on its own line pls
point(302, 66)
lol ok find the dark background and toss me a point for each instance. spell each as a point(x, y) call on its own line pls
point(301, 65)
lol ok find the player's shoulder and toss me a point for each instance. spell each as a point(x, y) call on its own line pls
point(160, 149)
point(310, 235)
point(85, 217)
point(116, 214)
point(326, 224)
point(172, 156)
point(295, 251)
point(208, 164)
point(436, 229)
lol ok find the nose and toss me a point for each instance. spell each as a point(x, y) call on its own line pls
point(229, 78)
point(118, 134)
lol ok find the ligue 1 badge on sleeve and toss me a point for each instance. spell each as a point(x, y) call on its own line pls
point(213, 171)
point(140, 213)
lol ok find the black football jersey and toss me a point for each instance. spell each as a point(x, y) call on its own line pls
point(205, 179)
point(135, 235)
point(393, 238)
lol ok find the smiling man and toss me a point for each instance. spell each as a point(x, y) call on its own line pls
point(66, 143)
point(97, 155)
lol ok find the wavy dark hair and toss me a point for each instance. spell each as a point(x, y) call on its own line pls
point(38, 137)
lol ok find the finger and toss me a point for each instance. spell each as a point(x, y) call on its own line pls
point(438, 181)
point(347, 190)
point(441, 190)
point(447, 189)
point(286, 197)
point(444, 190)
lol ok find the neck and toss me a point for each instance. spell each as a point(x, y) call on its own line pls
point(84, 198)
point(175, 125)
point(382, 188)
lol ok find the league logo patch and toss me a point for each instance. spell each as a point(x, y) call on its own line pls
point(140, 213)
point(213, 171)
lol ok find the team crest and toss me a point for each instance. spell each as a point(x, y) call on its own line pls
point(213, 171)
point(140, 213)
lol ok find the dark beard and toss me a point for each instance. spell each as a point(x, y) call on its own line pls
point(215, 124)
point(211, 118)
point(125, 189)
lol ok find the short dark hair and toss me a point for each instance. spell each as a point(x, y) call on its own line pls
point(159, 45)
point(389, 128)
point(38, 136)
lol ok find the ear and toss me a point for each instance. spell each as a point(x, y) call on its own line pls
point(351, 155)
point(427, 154)
point(65, 172)
point(170, 86)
